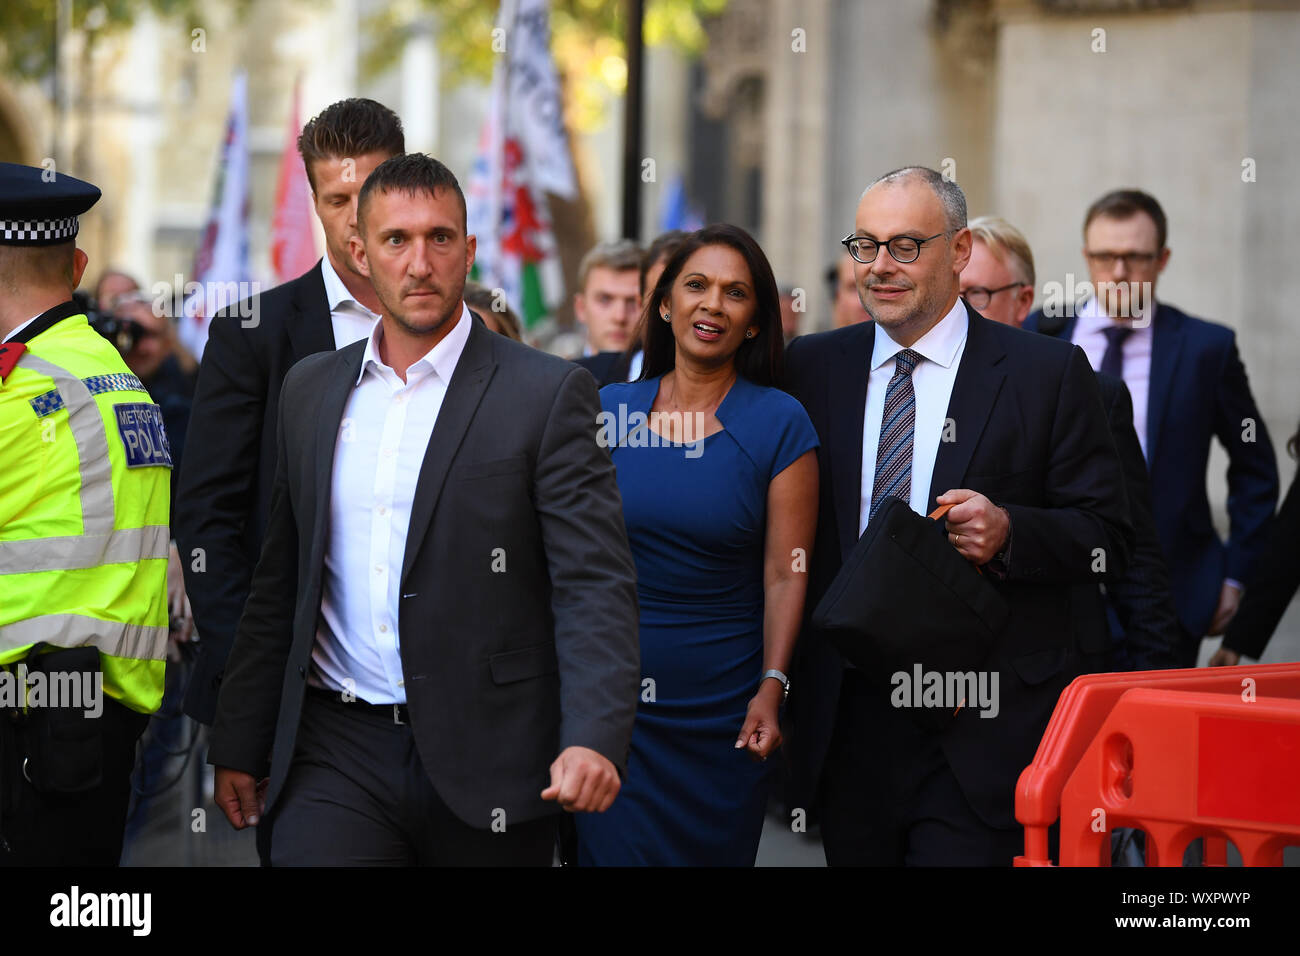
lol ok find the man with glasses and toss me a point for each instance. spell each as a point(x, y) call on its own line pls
point(1188, 386)
point(934, 404)
point(998, 282)
point(1141, 630)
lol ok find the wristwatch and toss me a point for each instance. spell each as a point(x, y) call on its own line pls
point(785, 681)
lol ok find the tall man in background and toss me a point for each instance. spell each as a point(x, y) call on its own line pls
point(224, 497)
point(1143, 634)
point(1189, 387)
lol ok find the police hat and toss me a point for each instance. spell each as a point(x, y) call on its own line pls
point(39, 207)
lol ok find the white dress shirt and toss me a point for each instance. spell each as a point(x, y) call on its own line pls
point(634, 367)
point(20, 328)
point(381, 445)
point(351, 320)
point(1089, 335)
point(932, 381)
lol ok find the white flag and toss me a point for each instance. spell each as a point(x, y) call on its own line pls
point(221, 264)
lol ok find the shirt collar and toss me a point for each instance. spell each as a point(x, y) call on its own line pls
point(336, 293)
point(442, 358)
point(940, 345)
point(19, 328)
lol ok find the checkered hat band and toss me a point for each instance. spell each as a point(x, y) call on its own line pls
point(38, 230)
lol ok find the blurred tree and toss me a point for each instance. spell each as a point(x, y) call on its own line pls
point(586, 37)
point(27, 27)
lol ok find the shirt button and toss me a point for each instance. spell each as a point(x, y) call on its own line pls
point(388, 453)
point(401, 683)
point(383, 628)
point(383, 510)
point(379, 569)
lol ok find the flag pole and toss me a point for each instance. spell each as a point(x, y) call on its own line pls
point(632, 123)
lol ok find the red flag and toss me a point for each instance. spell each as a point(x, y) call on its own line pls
point(293, 241)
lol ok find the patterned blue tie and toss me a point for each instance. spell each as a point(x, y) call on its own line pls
point(894, 455)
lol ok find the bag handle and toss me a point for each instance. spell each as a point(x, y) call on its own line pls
point(939, 512)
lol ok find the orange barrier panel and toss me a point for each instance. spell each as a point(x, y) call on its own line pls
point(1085, 708)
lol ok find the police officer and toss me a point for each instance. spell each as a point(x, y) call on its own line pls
point(85, 475)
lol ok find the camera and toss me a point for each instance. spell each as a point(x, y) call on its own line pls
point(123, 333)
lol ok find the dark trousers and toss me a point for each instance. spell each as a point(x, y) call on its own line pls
point(357, 795)
point(83, 829)
point(1188, 649)
point(889, 797)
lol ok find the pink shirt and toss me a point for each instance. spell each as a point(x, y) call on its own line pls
point(1089, 336)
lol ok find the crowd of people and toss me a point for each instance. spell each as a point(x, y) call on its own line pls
point(435, 600)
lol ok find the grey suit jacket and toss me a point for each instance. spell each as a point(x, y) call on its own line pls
point(503, 669)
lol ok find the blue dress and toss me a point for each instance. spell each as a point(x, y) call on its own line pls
point(696, 516)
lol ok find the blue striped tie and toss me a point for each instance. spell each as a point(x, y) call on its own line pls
point(894, 456)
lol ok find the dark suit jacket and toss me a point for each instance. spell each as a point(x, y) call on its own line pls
point(1031, 435)
point(1146, 635)
point(1277, 576)
point(223, 495)
point(607, 367)
point(1198, 392)
point(502, 670)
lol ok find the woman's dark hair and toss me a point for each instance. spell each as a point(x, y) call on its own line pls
point(663, 246)
point(1293, 446)
point(760, 359)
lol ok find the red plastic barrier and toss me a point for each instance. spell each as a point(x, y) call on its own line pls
point(1109, 747)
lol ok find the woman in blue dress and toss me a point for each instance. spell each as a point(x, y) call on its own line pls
point(718, 473)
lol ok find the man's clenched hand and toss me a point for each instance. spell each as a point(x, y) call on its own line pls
point(582, 781)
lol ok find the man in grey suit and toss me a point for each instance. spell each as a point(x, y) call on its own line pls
point(440, 644)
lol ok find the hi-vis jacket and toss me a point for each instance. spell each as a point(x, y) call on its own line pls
point(85, 474)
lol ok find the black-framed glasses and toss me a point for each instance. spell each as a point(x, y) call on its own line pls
point(980, 297)
point(1107, 260)
point(902, 248)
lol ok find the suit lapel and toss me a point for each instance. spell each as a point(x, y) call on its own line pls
point(846, 409)
point(468, 383)
point(1166, 343)
point(308, 324)
point(329, 419)
point(329, 416)
point(979, 378)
